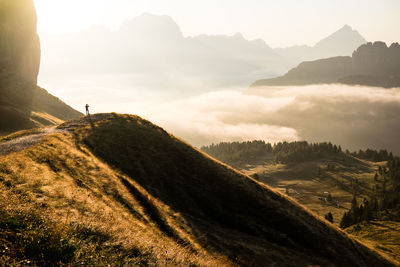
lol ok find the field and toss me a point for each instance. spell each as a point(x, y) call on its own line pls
point(312, 182)
point(381, 235)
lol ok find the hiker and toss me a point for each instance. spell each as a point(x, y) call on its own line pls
point(87, 109)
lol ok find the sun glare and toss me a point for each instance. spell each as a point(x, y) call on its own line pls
point(59, 16)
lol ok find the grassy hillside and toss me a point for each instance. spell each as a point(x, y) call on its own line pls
point(381, 235)
point(326, 180)
point(25, 106)
point(126, 192)
point(323, 185)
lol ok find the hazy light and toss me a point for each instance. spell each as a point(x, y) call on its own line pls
point(279, 23)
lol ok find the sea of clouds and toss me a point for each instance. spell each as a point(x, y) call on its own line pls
point(353, 116)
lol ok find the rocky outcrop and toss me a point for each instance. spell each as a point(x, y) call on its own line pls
point(22, 103)
point(19, 42)
point(372, 64)
point(377, 59)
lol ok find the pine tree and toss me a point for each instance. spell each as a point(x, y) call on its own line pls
point(329, 217)
point(345, 222)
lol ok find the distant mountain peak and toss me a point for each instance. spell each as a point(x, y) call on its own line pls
point(344, 41)
point(346, 27)
point(152, 26)
point(238, 35)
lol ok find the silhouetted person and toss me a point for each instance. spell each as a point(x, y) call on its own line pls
point(87, 109)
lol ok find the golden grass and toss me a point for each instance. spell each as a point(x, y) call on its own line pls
point(307, 186)
point(71, 186)
point(383, 236)
point(44, 119)
point(127, 193)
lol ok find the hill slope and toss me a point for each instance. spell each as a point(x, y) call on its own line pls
point(22, 103)
point(135, 194)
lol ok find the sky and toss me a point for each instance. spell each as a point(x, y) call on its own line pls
point(280, 23)
point(211, 114)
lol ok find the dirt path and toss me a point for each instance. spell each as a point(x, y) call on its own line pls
point(24, 142)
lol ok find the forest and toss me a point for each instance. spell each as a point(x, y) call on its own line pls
point(238, 153)
point(383, 203)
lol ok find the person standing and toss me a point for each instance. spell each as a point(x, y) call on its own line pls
point(87, 109)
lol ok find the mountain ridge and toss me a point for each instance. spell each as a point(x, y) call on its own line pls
point(371, 64)
point(235, 60)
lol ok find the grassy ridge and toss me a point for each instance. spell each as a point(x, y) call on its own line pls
point(126, 192)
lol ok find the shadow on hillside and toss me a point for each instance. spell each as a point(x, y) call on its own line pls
point(227, 212)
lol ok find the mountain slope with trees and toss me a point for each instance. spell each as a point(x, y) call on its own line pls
point(358, 191)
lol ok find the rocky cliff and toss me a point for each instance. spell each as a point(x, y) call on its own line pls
point(372, 64)
point(19, 42)
point(22, 103)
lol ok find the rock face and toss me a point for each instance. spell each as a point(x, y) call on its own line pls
point(372, 64)
point(377, 59)
point(22, 103)
point(19, 42)
point(319, 71)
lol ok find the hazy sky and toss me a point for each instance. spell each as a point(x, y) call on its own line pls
point(279, 23)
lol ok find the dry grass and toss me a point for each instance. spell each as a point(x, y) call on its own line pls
point(308, 181)
point(125, 192)
point(71, 186)
point(381, 235)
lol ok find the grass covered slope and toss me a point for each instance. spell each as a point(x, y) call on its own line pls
point(25, 107)
point(127, 192)
point(227, 211)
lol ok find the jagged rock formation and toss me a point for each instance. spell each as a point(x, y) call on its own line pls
point(373, 64)
point(22, 103)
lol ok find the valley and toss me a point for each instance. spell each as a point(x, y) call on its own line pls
point(325, 184)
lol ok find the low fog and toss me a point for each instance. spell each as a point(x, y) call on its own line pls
point(352, 116)
point(196, 87)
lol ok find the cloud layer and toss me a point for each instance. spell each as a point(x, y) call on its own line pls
point(354, 117)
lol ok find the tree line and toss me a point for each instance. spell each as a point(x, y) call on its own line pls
point(373, 155)
point(236, 153)
point(383, 202)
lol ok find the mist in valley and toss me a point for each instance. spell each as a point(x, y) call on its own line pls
point(198, 87)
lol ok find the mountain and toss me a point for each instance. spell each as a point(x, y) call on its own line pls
point(372, 64)
point(341, 43)
point(150, 52)
point(125, 192)
point(22, 103)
